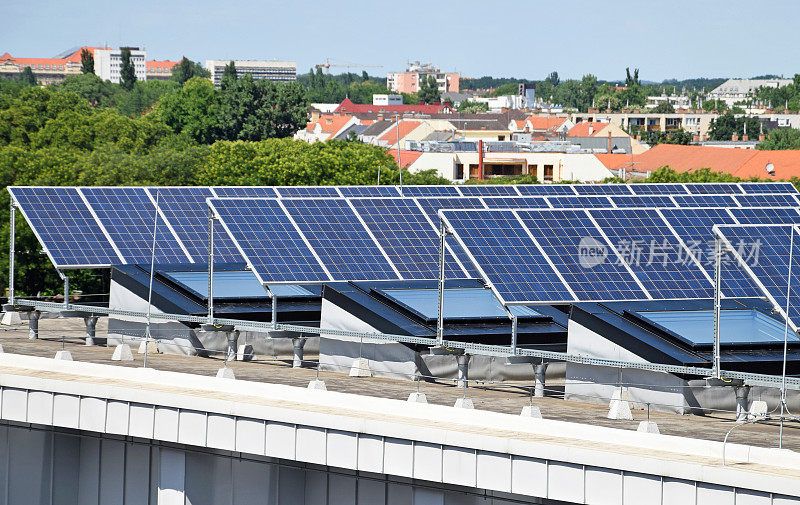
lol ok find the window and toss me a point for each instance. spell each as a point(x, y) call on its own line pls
point(548, 173)
point(533, 170)
point(474, 171)
point(501, 137)
point(459, 171)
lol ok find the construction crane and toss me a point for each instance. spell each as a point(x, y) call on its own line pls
point(327, 66)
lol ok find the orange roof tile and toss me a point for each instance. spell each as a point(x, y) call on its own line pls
point(164, 63)
point(586, 129)
point(406, 127)
point(614, 161)
point(408, 157)
point(685, 158)
point(544, 123)
point(786, 164)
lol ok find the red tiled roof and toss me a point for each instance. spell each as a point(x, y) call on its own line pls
point(786, 164)
point(685, 158)
point(408, 157)
point(406, 127)
point(75, 57)
point(164, 63)
point(582, 129)
point(614, 161)
point(348, 106)
point(542, 123)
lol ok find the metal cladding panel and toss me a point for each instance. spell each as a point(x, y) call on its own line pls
point(268, 240)
point(643, 201)
point(579, 252)
point(774, 215)
point(695, 228)
point(186, 210)
point(511, 261)
point(603, 189)
point(515, 202)
point(654, 253)
point(546, 189)
point(129, 216)
point(339, 239)
point(65, 226)
point(778, 200)
point(647, 188)
point(408, 238)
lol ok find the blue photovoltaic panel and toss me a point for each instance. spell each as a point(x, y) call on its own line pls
point(269, 241)
point(186, 210)
point(307, 191)
point(402, 230)
point(765, 251)
point(579, 202)
point(128, 214)
point(512, 262)
point(756, 215)
point(65, 227)
point(546, 189)
point(430, 191)
point(515, 202)
point(654, 253)
point(431, 207)
point(768, 187)
point(370, 191)
point(603, 189)
point(704, 201)
point(339, 239)
point(651, 188)
point(695, 228)
point(488, 190)
point(566, 236)
point(773, 200)
point(713, 188)
point(245, 191)
point(643, 201)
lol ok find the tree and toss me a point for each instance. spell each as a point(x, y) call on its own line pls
point(90, 87)
point(364, 76)
point(727, 125)
point(229, 75)
point(187, 69)
point(87, 61)
point(27, 77)
point(782, 138)
point(553, 79)
point(664, 108)
point(429, 90)
point(470, 107)
point(191, 110)
point(127, 71)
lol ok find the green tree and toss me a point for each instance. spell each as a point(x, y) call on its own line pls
point(87, 61)
point(27, 77)
point(187, 69)
point(470, 107)
point(127, 71)
point(191, 110)
point(727, 125)
point(229, 75)
point(664, 108)
point(429, 90)
point(782, 138)
point(90, 87)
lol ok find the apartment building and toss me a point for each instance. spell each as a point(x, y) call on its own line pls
point(108, 64)
point(696, 123)
point(160, 70)
point(409, 81)
point(46, 70)
point(737, 90)
point(282, 71)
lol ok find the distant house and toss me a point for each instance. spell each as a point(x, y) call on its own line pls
point(327, 127)
point(348, 107)
point(737, 90)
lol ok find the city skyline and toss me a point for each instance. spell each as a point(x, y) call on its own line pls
point(514, 39)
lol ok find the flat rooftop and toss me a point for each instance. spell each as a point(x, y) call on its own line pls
point(499, 397)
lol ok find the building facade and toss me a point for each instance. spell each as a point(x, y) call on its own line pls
point(46, 70)
point(108, 64)
point(737, 90)
point(409, 81)
point(282, 71)
point(160, 70)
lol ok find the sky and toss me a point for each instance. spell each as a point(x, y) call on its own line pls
point(502, 38)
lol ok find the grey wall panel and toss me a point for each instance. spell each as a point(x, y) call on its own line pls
point(112, 472)
point(137, 473)
point(66, 449)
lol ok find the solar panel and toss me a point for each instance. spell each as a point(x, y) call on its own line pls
point(307, 191)
point(579, 202)
point(430, 191)
point(694, 227)
point(757, 215)
point(643, 201)
point(581, 254)
point(339, 239)
point(654, 253)
point(268, 240)
point(245, 191)
point(713, 188)
point(128, 214)
point(603, 189)
point(514, 266)
point(777, 200)
point(487, 190)
point(546, 189)
point(65, 227)
point(186, 210)
point(515, 202)
point(431, 207)
point(402, 230)
point(649, 188)
point(370, 191)
point(768, 187)
point(704, 201)
point(764, 250)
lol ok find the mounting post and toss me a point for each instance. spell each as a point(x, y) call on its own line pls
point(273, 301)
point(717, 304)
point(210, 266)
point(11, 240)
point(440, 319)
point(65, 278)
point(513, 318)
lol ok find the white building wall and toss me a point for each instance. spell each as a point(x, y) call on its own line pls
point(108, 64)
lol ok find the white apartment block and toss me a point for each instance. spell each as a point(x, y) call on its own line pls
point(108, 64)
point(284, 71)
point(737, 90)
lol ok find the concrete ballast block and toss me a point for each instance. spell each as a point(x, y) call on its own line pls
point(318, 385)
point(1, 349)
point(531, 411)
point(648, 427)
point(758, 410)
point(464, 403)
point(11, 318)
point(150, 345)
point(360, 368)
point(417, 398)
point(122, 352)
point(618, 408)
point(244, 352)
point(63, 355)
point(225, 373)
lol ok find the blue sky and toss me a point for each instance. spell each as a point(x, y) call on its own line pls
point(523, 38)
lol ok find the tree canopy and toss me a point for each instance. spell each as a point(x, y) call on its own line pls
point(187, 69)
point(87, 61)
point(127, 71)
point(429, 90)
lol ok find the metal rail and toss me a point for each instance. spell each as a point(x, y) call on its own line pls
point(482, 349)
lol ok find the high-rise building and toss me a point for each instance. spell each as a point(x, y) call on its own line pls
point(260, 69)
point(410, 80)
point(108, 64)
